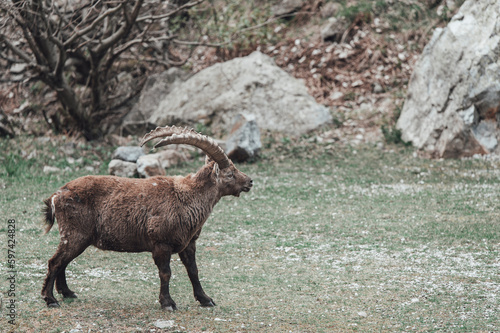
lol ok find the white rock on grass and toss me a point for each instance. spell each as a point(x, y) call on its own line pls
point(50, 169)
point(362, 314)
point(164, 324)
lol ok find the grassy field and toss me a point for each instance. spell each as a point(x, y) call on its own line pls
point(363, 240)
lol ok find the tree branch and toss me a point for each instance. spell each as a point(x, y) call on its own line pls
point(92, 26)
point(189, 43)
point(20, 53)
point(122, 31)
point(175, 11)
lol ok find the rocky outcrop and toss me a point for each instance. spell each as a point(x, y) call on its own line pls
point(453, 102)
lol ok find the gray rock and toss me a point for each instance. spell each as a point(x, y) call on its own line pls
point(336, 95)
point(453, 100)
point(18, 68)
point(164, 324)
point(171, 157)
point(330, 9)
point(485, 133)
point(128, 153)
point(155, 89)
point(50, 169)
point(286, 7)
point(250, 85)
point(377, 88)
point(334, 29)
point(149, 166)
point(243, 142)
point(68, 148)
point(122, 168)
point(17, 77)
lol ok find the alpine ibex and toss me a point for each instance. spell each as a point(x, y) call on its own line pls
point(162, 215)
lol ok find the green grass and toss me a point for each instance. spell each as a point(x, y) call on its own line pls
point(346, 241)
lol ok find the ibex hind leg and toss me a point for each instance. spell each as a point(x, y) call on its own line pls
point(65, 253)
point(62, 285)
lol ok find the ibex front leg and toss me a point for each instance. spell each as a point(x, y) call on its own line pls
point(161, 256)
point(189, 260)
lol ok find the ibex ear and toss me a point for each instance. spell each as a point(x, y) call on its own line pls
point(216, 170)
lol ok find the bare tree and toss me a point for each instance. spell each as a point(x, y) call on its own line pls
point(73, 46)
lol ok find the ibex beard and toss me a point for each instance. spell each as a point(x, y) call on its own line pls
point(161, 215)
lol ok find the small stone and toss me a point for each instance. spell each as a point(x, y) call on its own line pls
point(50, 169)
point(18, 68)
point(336, 95)
point(286, 7)
point(357, 83)
point(362, 314)
point(164, 324)
point(32, 155)
point(68, 148)
point(377, 88)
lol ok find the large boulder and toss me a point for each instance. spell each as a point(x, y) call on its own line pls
point(251, 85)
point(454, 93)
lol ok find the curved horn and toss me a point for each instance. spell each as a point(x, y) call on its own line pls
point(178, 135)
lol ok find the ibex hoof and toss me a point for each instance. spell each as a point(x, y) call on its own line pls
point(208, 304)
point(53, 305)
point(169, 307)
point(70, 295)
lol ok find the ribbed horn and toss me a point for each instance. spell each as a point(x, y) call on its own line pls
point(177, 135)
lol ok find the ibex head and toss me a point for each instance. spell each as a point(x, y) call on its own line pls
point(229, 179)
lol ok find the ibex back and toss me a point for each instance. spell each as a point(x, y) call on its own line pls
point(162, 215)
